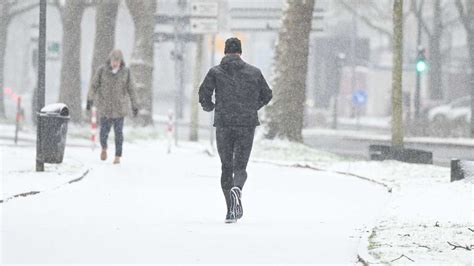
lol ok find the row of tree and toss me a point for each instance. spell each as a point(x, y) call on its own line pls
point(286, 113)
point(71, 13)
point(8, 11)
point(141, 64)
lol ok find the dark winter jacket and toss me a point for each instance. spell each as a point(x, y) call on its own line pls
point(241, 90)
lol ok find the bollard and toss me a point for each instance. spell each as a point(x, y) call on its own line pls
point(386, 152)
point(18, 118)
point(170, 129)
point(94, 126)
point(456, 170)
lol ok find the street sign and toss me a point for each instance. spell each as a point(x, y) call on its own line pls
point(159, 37)
point(204, 9)
point(359, 97)
point(203, 25)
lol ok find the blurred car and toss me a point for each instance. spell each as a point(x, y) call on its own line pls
point(443, 117)
point(461, 120)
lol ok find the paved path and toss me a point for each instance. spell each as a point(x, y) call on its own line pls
point(159, 208)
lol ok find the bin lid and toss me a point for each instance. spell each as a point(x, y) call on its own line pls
point(55, 109)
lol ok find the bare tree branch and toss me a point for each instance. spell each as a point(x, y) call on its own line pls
point(380, 13)
point(58, 5)
point(451, 22)
point(444, 24)
point(455, 246)
point(422, 246)
point(426, 28)
point(22, 10)
point(463, 15)
point(11, 4)
point(91, 3)
point(366, 20)
point(417, 10)
point(402, 256)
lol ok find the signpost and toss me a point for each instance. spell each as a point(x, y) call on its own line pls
point(204, 20)
point(204, 9)
point(359, 97)
point(41, 79)
point(197, 17)
point(208, 17)
point(203, 25)
point(359, 100)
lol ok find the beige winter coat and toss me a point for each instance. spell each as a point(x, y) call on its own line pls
point(112, 93)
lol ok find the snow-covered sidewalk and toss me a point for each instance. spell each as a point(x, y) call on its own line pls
point(290, 211)
point(425, 212)
point(18, 179)
point(425, 216)
point(168, 208)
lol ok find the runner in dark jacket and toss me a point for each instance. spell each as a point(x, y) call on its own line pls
point(240, 90)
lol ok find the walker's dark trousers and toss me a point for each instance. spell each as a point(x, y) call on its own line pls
point(234, 145)
point(105, 126)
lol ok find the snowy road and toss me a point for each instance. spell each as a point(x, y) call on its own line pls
point(359, 148)
point(159, 208)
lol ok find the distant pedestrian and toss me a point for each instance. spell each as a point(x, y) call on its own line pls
point(111, 90)
point(240, 91)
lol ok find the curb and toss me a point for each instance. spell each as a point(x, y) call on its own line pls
point(312, 167)
point(386, 139)
point(31, 193)
point(415, 141)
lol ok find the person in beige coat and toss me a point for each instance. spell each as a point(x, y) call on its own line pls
point(111, 91)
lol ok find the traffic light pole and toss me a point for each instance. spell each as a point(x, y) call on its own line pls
point(41, 81)
point(339, 63)
point(417, 96)
point(418, 74)
point(178, 56)
point(211, 119)
point(336, 97)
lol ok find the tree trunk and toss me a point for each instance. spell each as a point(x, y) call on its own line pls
point(70, 84)
point(397, 72)
point(105, 20)
point(436, 65)
point(471, 53)
point(194, 132)
point(3, 46)
point(286, 112)
point(142, 12)
point(466, 14)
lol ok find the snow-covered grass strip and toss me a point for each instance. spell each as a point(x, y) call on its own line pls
point(426, 211)
point(20, 179)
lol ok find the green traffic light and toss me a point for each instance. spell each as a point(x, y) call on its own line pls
point(421, 66)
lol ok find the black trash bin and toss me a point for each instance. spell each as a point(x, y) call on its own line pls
point(52, 122)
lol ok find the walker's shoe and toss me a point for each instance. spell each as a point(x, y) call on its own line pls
point(117, 160)
point(236, 195)
point(103, 155)
point(230, 217)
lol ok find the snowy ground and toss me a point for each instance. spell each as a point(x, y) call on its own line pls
point(425, 211)
point(18, 165)
point(319, 208)
point(160, 208)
